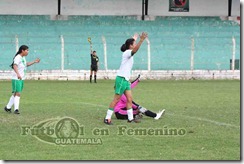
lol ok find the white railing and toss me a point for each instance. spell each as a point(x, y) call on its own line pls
point(111, 74)
point(62, 52)
point(233, 53)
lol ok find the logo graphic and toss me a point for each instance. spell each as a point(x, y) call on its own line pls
point(60, 131)
point(179, 5)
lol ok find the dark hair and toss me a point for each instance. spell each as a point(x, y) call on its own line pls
point(94, 51)
point(23, 47)
point(127, 44)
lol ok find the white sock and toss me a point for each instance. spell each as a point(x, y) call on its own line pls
point(16, 102)
point(11, 102)
point(130, 114)
point(142, 110)
point(109, 114)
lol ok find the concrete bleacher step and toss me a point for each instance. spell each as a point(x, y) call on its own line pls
point(170, 39)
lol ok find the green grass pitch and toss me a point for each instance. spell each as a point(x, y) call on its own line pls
point(208, 111)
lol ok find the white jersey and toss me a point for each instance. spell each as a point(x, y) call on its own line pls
point(21, 63)
point(126, 65)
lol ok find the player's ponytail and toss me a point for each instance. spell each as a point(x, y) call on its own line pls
point(23, 47)
point(123, 48)
point(127, 44)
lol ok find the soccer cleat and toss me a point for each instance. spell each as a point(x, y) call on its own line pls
point(159, 114)
point(138, 116)
point(134, 121)
point(16, 111)
point(7, 110)
point(108, 121)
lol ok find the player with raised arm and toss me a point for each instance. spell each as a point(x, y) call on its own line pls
point(122, 83)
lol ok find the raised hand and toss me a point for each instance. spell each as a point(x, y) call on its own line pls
point(143, 35)
point(135, 36)
point(89, 40)
point(37, 60)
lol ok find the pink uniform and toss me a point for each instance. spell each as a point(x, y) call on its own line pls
point(121, 105)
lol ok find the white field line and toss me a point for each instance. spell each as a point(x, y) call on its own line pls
point(205, 120)
point(166, 113)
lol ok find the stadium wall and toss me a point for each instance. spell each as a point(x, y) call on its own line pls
point(112, 7)
point(28, 7)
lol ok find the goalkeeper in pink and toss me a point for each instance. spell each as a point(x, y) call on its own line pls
point(121, 111)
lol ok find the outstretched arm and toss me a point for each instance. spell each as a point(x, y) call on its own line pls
point(33, 62)
point(142, 38)
point(91, 47)
point(89, 40)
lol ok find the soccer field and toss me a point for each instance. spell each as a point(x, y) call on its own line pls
point(204, 113)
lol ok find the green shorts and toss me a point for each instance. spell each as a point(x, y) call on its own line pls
point(17, 85)
point(121, 85)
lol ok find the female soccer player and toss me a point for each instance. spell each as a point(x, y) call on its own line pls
point(122, 84)
point(19, 66)
point(120, 107)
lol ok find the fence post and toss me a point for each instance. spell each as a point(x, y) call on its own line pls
point(17, 43)
point(105, 53)
point(192, 54)
point(62, 53)
point(233, 53)
point(148, 55)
